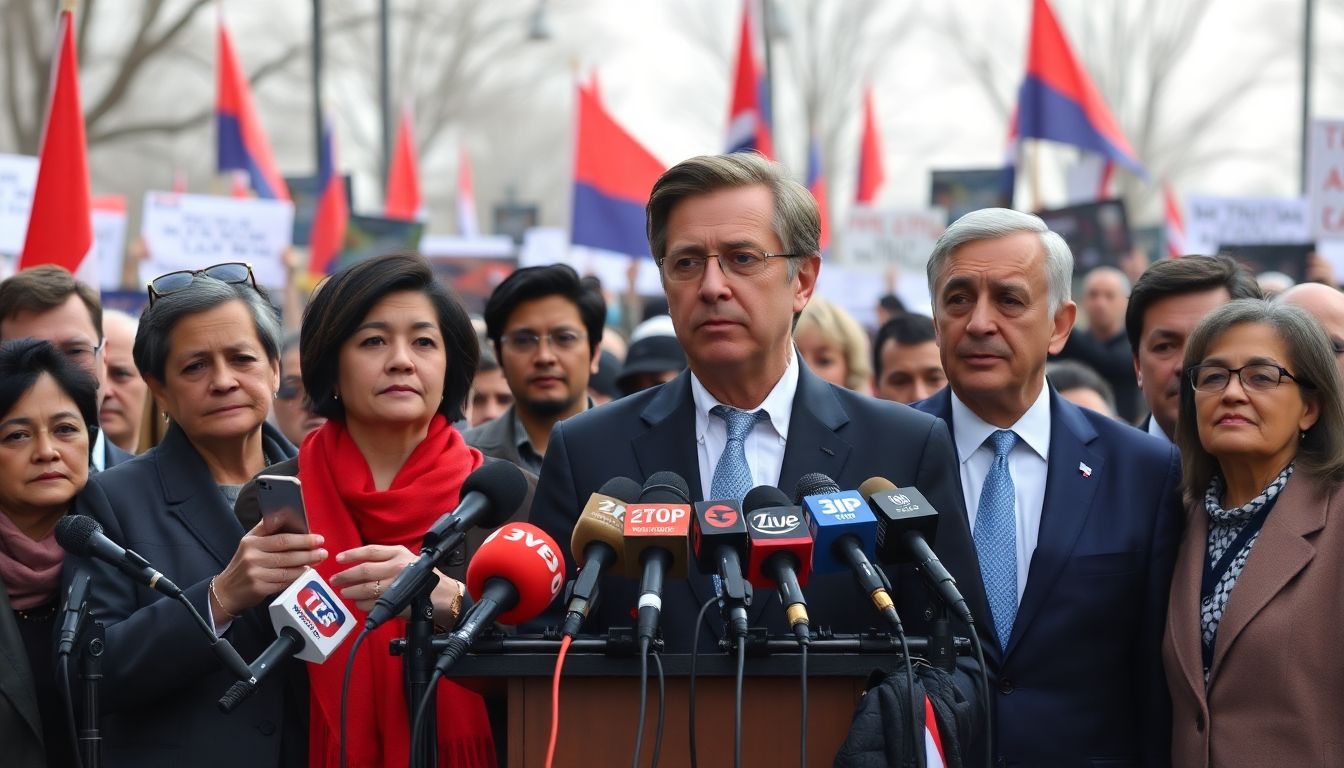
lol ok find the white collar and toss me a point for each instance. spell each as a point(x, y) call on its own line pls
point(778, 404)
point(98, 457)
point(1155, 429)
point(1033, 427)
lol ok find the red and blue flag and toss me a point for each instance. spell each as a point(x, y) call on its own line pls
point(749, 112)
point(816, 184)
point(240, 143)
point(333, 209)
point(613, 174)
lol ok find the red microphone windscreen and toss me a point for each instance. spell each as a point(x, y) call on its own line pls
point(526, 557)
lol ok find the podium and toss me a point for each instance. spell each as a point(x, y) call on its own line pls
point(599, 702)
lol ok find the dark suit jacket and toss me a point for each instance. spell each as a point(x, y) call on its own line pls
point(20, 721)
point(1081, 683)
point(844, 435)
point(162, 681)
point(496, 438)
point(1274, 686)
point(115, 454)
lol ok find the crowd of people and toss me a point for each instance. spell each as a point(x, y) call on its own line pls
point(1136, 503)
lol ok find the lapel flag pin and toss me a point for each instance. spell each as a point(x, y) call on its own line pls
point(1085, 470)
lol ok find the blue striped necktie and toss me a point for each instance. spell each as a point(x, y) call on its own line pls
point(996, 537)
point(732, 474)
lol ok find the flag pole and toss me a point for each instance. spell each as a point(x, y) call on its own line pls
point(1034, 172)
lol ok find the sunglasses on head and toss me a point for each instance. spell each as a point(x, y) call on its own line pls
point(233, 272)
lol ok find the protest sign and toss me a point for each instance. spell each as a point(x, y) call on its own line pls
point(960, 192)
point(18, 176)
point(1211, 222)
point(1326, 188)
point(196, 231)
point(1097, 233)
point(878, 238)
point(108, 213)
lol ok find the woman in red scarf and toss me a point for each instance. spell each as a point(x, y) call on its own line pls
point(48, 406)
point(388, 356)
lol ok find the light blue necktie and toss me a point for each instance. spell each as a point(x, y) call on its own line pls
point(732, 475)
point(996, 537)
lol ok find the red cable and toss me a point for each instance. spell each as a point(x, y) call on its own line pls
point(555, 699)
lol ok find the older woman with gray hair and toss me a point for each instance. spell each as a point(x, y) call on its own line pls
point(1251, 647)
point(208, 346)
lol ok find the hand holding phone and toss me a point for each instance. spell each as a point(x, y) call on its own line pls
point(281, 499)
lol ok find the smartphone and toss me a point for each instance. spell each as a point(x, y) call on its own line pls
point(281, 497)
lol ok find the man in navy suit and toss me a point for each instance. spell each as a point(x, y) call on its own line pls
point(1075, 516)
point(736, 241)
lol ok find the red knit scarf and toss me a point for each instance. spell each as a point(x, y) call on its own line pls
point(30, 570)
point(342, 505)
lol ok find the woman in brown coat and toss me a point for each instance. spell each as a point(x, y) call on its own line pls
point(1252, 642)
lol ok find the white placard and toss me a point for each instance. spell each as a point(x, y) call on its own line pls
point(1327, 179)
point(878, 238)
point(18, 178)
point(478, 247)
point(109, 239)
point(1214, 221)
point(195, 231)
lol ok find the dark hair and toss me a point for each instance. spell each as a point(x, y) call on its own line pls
point(1071, 374)
point(347, 297)
point(906, 330)
point(892, 303)
point(487, 362)
point(38, 289)
point(1175, 277)
point(203, 294)
point(537, 283)
point(1320, 454)
point(23, 361)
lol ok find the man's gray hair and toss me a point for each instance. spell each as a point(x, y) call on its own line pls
point(993, 223)
point(203, 294)
point(1106, 269)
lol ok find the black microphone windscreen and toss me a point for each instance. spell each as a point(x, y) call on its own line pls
point(764, 496)
point(812, 484)
point(622, 488)
point(73, 533)
point(668, 487)
point(503, 485)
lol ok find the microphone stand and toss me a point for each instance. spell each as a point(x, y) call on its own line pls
point(91, 647)
point(941, 653)
point(419, 665)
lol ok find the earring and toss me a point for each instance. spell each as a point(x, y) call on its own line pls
point(165, 418)
point(335, 395)
point(1302, 435)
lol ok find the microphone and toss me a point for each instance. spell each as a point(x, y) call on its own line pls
point(655, 543)
point(781, 552)
point(719, 541)
point(846, 533)
point(310, 623)
point(598, 542)
point(489, 496)
point(907, 526)
point(514, 575)
point(76, 611)
point(82, 535)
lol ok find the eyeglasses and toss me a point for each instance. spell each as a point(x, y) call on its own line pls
point(527, 342)
point(1260, 377)
point(232, 272)
point(290, 388)
point(81, 354)
point(741, 262)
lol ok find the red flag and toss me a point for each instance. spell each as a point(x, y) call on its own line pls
point(59, 228)
point(403, 179)
point(467, 225)
point(870, 154)
point(1175, 223)
point(240, 143)
point(749, 111)
point(816, 184)
point(333, 210)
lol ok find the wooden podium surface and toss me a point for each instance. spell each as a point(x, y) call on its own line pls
point(599, 705)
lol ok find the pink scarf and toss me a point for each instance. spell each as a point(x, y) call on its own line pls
point(30, 570)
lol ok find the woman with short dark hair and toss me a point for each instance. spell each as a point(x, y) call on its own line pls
point(208, 346)
point(1251, 649)
point(48, 407)
point(388, 356)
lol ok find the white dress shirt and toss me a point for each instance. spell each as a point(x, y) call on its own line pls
point(98, 456)
point(766, 441)
point(1027, 463)
point(1155, 430)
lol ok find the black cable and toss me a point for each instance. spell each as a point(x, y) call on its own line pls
point(802, 738)
point(916, 735)
point(658, 734)
point(695, 652)
point(67, 693)
point(737, 703)
point(643, 699)
point(345, 688)
point(984, 694)
point(418, 722)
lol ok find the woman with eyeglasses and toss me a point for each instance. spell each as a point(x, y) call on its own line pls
point(1252, 643)
point(388, 357)
point(208, 346)
point(48, 406)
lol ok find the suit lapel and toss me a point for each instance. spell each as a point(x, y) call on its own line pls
point(1183, 612)
point(1064, 511)
point(1279, 553)
point(194, 498)
point(16, 679)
